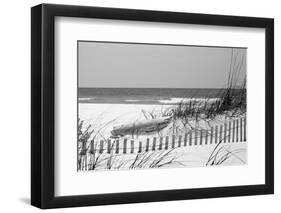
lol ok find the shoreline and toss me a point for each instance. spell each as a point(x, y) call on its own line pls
point(103, 118)
point(161, 101)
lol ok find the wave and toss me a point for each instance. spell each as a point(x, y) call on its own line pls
point(186, 100)
point(131, 100)
point(85, 99)
point(155, 100)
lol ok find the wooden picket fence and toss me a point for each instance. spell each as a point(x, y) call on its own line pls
point(230, 131)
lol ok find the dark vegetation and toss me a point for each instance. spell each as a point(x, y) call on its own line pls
point(89, 148)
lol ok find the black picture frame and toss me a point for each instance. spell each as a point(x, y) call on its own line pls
point(43, 105)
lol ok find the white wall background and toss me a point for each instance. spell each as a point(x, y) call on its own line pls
point(15, 105)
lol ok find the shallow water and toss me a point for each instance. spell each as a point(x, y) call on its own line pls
point(144, 95)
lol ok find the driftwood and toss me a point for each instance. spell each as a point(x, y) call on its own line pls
point(141, 127)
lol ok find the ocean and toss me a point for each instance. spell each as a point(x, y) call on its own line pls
point(144, 95)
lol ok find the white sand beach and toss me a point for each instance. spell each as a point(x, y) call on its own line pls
point(104, 117)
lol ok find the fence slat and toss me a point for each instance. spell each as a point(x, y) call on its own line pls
point(101, 147)
point(195, 138)
point(92, 149)
point(132, 146)
point(117, 146)
point(85, 163)
point(140, 146)
point(237, 130)
point(245, 129)
point(173, 141)
point(211, 136)
point(160, 143)
point(225, 133)
point(179, 141)
point(147, 145)
point(241, 130)
point(125, 146)
point(190, 138)
point(221, 137)
point(206, 137)
point(82, 163)
point(201, 137)
point(108, 146)
point(154, 144)
point(233, 131)
point(216, 134)
point(167, 142)
point(229, 131)
point(185, 139)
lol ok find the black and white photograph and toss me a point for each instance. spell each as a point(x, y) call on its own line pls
point(149, 106)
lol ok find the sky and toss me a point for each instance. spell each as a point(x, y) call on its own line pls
point(129, 65)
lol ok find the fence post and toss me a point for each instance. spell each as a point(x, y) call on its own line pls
point(92, 150)
point(125, 146)
point(229, 131)
point(201, 136)
point(81, 162)
point(225, 132)
point(140, 146)
point(185, 139)
point(216, 134)
point(147, 145)
point(211, 136)
point(237, 130)
point(173, 141)
point(221, 137)
point(132, 146)
point(241, 130)
point(86, 162)
point(245, 130)
point(108, 146)
point(233, 131)
point(167, 142)
point(160, 143)
point(195, 138)
point(190, 138)
point(117, 147)
point(179, 142)
point(206, 137)
point(101, 146)
point(154, 144)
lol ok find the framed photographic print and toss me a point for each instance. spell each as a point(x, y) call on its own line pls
point(140, 106)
